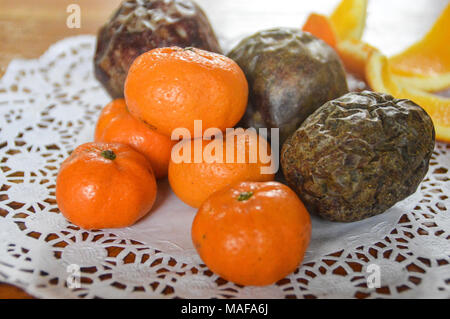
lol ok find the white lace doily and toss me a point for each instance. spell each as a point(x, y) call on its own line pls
point(50, 105)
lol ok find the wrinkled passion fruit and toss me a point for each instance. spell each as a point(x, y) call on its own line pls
point(141, 25)
point(358, 155)
point(290, 74)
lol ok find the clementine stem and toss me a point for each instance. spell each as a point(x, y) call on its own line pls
point(108, 154)
point(244, 196)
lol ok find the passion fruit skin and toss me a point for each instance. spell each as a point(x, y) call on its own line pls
point(358, 155)
point(290, 74)
point(142, 25)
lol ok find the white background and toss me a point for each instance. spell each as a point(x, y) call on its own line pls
point(392, 25)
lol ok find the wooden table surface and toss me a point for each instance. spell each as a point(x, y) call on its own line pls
point(28, 28)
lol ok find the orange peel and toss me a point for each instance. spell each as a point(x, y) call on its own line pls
point(379, 77)
point(355, 54)
point(320, 26)
point(349, 19)
point(426, 64)
point(342, 31)
point(423, 67)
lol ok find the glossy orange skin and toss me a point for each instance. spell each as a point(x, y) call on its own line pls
point(117, 125)
point(194, 182)
point(171, 87)
point(320, 26)
point(94, 192)
point(256, 241)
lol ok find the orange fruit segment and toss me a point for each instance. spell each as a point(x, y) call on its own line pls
point(355, 54)
point(320, 26)
point(426, 64)
point(431, 84)
point(423, 67)
point(379, 77)
point(342, 31)
point(349, 19)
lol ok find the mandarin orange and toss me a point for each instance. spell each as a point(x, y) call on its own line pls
point(170, 88)
point(252, 233)
point(117, 125)
point(105, 185)
point(194, 179)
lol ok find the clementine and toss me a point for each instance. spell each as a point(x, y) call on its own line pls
point(103, 185)
point(117, 125)
point(252, 233)
point(193, 179)
point(171, 87)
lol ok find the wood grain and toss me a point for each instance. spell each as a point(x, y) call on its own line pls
point(27, 29)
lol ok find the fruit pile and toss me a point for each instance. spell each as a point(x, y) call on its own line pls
point(341, 150)
point(111, 182)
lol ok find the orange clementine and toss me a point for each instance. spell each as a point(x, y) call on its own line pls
point(252, 233)
point(117, 125)
point(233, 158)
point(170, 88)
point(105, 185)
point(320, 26)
